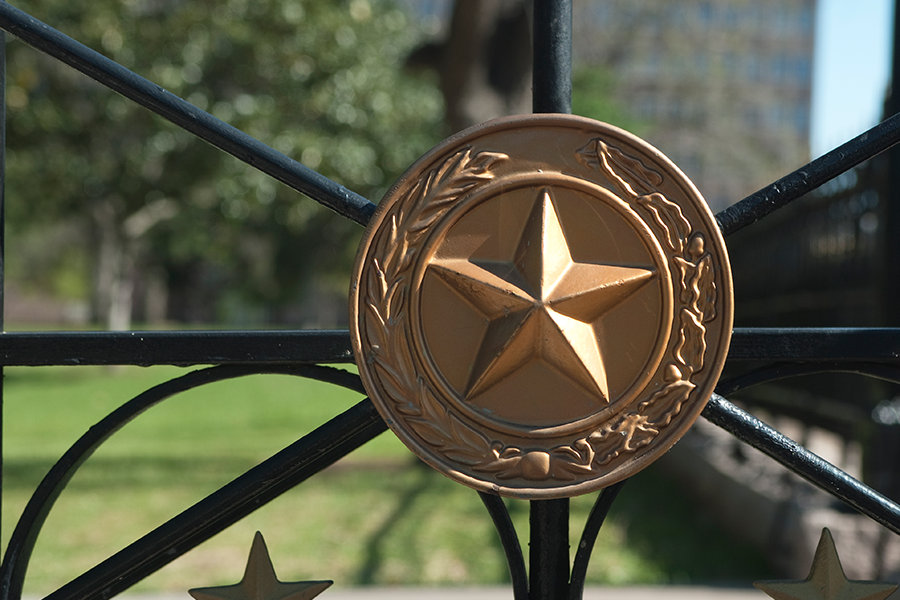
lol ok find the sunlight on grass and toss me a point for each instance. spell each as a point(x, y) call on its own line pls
point(377, 517)
point(249, 417)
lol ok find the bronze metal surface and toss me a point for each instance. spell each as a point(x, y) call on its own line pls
point(260, 583)
point(826, 580)
point(541, 306)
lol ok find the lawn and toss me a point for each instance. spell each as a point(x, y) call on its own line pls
point(377, 517)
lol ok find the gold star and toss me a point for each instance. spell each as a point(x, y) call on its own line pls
point(260, 582)
point(541, 304)
point(826, 580)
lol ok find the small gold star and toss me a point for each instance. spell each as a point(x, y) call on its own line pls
point(826, 580)
point(260, 582)
point(541, 305)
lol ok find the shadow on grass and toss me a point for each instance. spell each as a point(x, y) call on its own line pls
point(675, 537)
point(678, 534)
point(416, 500)
point(406, 498)
point(98, 473)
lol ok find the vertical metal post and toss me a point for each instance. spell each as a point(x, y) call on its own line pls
point(548, 555)
point(2, 229)
point(552, 78)
point(881, 453)
point(882, 463)
point(552, 93)
point(890, 279)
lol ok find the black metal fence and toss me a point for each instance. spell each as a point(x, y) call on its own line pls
point(756, 356)
point(824, 261)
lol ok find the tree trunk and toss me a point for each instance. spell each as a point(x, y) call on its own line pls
point(485, 63)
point(121, 293)
point(114, 270)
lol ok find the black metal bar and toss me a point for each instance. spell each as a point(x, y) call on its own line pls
point(260, 485)
point(548, 557)
point(888, 262)
point(551, 93)
point(510, 541)
point(174, 348)
point(294, 347)
point(21, 544)
point(815, 344)
point(804, 463)
point(809, 177)
point(589, 536)
point(185, 115)
point(552, 62)
point(2, 235)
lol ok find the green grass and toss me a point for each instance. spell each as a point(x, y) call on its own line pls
point(378, 517)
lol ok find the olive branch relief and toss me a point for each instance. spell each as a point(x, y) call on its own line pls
point(393, 254)
point(696, 291)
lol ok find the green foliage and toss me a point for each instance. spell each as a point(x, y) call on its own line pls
point(320, 81)
point(593, 95)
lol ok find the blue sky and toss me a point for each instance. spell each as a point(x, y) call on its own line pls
point(851, 69)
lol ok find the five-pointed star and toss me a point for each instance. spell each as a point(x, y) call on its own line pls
point(541, 305)
point(826, 580)
point(260, 582)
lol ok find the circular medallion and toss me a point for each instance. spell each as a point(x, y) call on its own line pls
point(541, 306)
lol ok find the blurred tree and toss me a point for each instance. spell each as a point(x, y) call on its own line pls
point(158, 209)
point(594, 96)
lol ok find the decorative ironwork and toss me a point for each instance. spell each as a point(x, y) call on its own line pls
point(865, 351)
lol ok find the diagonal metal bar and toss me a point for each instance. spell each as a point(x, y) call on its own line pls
point(239, 498)
point(185, 115)
point(804, 463)
point(809, 177)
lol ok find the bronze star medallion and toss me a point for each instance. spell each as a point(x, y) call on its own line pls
point(541, 306)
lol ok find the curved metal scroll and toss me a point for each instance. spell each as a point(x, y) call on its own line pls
point(510, 541)
point(258, 486)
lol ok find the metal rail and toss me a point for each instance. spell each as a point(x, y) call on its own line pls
point(847, 345)
point(181, 348)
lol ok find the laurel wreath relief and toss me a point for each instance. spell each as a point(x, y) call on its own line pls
point(387, 300)
point(394, 252)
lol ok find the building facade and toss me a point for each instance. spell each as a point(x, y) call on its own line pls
point(722, 86)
